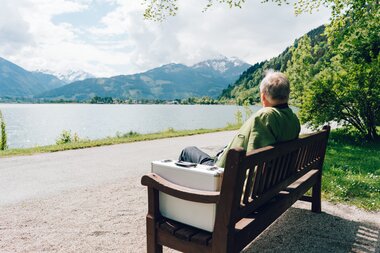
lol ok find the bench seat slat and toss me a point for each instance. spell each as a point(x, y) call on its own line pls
point(170, 226)
point(202, 237)
point(185, 232)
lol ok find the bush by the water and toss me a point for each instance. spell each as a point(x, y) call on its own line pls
point(67, 137)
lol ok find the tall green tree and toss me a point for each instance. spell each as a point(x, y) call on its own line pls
point(3, 134)
point(343, 84)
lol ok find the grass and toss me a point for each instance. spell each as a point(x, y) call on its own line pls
point(351, 170)
point(118, 139)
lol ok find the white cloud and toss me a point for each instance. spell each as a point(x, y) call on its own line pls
point(14, 31)
point(123, 42)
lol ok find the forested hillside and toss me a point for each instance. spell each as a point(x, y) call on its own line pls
point(246, 88)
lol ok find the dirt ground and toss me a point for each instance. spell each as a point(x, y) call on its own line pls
point(111, 218)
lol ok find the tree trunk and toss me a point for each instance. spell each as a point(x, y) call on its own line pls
point(372, 134)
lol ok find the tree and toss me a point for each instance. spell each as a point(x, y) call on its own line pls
point(159, 10)
point(343, 84)
point(299, 69)
point(3, 134)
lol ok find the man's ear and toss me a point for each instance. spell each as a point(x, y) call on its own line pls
point(264, 100)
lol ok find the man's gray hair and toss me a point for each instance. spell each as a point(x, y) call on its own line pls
point(275, 85)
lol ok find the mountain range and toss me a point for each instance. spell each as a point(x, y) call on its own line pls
point(18, 82)
point(170, 81)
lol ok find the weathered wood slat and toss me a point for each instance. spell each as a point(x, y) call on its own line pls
point(257, 180)
point(249, 185)
point(272, 167)
point(287, 167)
point(301, 164)
point(164, 238)
point(264, 173)
point(170, 226)
point(185, 233)
point(202, 237)
point(279, 169)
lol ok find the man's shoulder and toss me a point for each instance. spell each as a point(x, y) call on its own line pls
point(269, 114)
point(265, 112)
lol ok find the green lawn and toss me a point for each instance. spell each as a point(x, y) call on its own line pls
point(352, 171)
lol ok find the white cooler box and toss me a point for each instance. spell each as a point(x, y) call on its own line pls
point(201, 177)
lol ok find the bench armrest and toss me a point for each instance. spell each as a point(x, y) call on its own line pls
point(156, 182)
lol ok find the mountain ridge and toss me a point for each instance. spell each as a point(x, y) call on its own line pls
point(16, 81)
point(167, 82)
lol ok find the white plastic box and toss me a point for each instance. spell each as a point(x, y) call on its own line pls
point(201, 177)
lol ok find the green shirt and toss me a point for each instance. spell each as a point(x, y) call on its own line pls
point(266, 127)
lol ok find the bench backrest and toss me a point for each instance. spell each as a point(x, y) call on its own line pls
point(252, 179)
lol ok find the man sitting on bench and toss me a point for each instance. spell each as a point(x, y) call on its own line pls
point(274, 123)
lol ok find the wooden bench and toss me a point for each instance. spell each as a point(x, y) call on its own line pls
point(257, 188)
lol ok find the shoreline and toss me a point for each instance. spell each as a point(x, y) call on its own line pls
point(134, 137)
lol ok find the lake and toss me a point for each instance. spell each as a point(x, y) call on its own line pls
point(30, 125)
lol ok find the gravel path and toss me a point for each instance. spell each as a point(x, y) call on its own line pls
point(91, 200)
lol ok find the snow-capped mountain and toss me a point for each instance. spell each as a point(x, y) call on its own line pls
point(221, 64)
point(229, 67)
point(70, 75)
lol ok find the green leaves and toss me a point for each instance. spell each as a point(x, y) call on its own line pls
point(339, 80)
point(3, 133)
point(67, 137)
point(159, 10)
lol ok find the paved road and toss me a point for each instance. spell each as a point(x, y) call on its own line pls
point(40, 175)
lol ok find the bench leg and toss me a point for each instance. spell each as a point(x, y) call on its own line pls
point(152, 245)
point(316, 196)
point(151, 220)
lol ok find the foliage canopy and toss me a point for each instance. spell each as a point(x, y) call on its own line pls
point(342, 82)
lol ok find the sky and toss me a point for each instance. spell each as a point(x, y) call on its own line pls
point(111, 37)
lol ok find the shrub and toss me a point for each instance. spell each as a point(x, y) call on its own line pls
point(67, 137)
point(3, 133)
